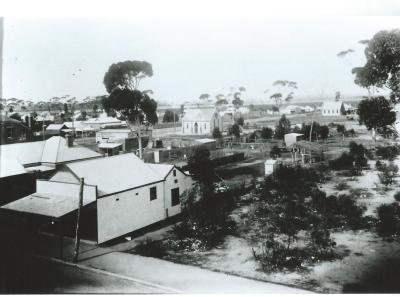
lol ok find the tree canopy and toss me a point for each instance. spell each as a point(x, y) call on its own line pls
point(126, 74)
point(376, 113)
point(170, 116)
point(133, 105)
point(382, 68)
point(121, 81)
point(282, 127)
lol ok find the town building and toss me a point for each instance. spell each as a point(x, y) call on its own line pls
point(201, 121)
point(292, 138)
point(102, 122)
point(125, 193)
point(12, 130)
point(332, 108)
point(57, 130)
point(22, 163)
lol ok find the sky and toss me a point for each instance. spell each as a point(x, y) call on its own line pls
point(202, 49)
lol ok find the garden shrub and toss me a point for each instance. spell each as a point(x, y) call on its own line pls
point(388, 173)
point(389, 219)
point(388, 152)
point(341, 186)
point(151, 248)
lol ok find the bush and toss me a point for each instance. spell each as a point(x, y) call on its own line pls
point(354, 159)
point(345, 161)
point(151, 248)
point(266, 133)
point(388, 173)
point(240, 121)
point(387, 152)
point(389, 219)
point(206, 219)
point(217, 133)
point(397, 196)
point(341, 186)
point(339, 211)
point(275, 152)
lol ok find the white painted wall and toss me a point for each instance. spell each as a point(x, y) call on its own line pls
point(133, 210)
point(184, 183)
point(188, 127)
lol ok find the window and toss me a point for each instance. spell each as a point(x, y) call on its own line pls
point(174, 172)
point(153, 193)
point(176, 181)
point(175, 197)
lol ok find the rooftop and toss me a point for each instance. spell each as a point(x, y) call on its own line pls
point(54, 204)
point(116, 173)
point(202, 115)
point(54, 150)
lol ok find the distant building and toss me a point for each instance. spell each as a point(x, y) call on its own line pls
point(201, 121)
point(12, 130)
point(102, 121)
point(333, 108)
point(270, 166)
point(114, 135)
point(292, 138)
point(57, 129)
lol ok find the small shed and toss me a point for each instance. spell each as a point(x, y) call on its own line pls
point(292, 138)
point(270, 166)
point(110, 148)
point(56, 129)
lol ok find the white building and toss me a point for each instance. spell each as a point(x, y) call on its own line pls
point(114, 135)
point(102, 120)
point(332, 108)
point(200, 121)
point(130, 194)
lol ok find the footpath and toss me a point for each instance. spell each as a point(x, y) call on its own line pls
point(171, 277)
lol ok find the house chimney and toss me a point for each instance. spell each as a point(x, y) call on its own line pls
point(70, 140)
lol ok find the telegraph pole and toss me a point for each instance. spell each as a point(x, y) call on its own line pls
point(77, 235)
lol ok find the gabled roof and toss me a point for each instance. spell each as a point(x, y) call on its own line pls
point(115, 174)
point(102, 120)
point(161, 169)
point(332, 105)
point(56, 127)
point(109, 145)
point(25, 153)
point(6, 119)
point(56, 150)
point(56, 203)
point(201, 115)
point(11, 167)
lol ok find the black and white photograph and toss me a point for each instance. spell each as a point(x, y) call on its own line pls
point(200, 147)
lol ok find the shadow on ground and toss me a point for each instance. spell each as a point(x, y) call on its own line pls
point(384, 277)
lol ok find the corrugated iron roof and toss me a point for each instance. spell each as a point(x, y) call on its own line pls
point(115, 174)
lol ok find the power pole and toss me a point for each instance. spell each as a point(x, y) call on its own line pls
point(77, 235)
point(43, 129)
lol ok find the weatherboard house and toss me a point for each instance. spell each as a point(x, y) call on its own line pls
point(124, 193)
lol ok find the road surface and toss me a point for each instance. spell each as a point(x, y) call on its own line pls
point(51, 277)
